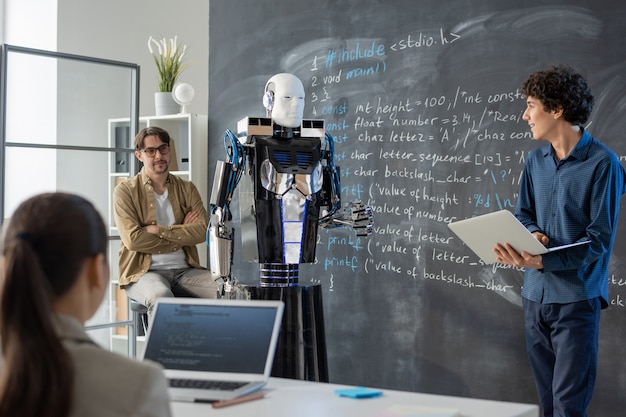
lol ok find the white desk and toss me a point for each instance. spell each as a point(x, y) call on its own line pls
point(290, 397)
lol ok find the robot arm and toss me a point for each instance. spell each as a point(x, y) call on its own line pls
point(355, 215)
point(219, 233)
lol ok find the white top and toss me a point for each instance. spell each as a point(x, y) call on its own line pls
point(165, 217)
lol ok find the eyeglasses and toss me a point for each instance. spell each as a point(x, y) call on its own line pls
point(163, 150)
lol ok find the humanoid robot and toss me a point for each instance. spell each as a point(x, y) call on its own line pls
point(283, 167)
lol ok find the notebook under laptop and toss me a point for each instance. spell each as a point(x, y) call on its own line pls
point(229, 341)
point(481, 233)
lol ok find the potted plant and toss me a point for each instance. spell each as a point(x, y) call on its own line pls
point(168, 56)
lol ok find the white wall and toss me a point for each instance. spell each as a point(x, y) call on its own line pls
point(30, 23)
point(116, 30)
point(119, 30)
point(113, 29)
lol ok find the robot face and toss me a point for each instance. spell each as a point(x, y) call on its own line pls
point(288, 100)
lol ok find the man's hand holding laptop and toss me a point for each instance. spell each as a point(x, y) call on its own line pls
point(507, 255)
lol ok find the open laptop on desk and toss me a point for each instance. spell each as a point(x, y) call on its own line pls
point(214, 349)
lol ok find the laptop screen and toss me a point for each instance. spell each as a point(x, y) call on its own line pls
point(211, 338)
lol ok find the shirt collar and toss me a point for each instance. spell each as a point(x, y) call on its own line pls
point(580, 151)
point(145, 179)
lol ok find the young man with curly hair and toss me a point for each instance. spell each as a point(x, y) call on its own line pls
point(570, 191)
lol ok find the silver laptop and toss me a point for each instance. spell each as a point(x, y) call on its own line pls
point(481, 233)
point(213, 349)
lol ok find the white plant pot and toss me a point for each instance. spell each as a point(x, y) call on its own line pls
point(164, 104)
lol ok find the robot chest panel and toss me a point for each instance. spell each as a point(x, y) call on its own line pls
point(276, 182)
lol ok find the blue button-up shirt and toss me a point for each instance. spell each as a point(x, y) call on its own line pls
point(574, 199)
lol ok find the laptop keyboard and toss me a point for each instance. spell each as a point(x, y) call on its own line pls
point(204, 384)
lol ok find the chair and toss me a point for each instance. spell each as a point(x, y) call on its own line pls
point(139, 325)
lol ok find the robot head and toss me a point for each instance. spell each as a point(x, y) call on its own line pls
point(284, 99)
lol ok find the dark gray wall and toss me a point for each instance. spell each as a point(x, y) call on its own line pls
point(422, 98)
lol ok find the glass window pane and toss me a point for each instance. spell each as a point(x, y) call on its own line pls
point(59, 101)
point(30, 171)
point(58, 121)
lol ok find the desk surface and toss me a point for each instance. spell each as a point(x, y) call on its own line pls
point(290, 397)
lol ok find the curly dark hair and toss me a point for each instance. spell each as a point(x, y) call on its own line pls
point(560, 87)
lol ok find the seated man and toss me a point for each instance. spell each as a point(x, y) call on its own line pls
point(161, 219)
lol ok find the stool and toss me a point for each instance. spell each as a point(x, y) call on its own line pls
point(139, 326)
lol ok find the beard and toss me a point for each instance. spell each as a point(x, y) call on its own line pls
point(160, 166)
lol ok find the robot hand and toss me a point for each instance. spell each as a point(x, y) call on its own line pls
point(232, 289)
point(354, 215)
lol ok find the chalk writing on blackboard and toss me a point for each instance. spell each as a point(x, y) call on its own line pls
point(424, 104)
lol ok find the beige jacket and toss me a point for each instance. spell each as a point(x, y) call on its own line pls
point(134, 207)
point(110, 385)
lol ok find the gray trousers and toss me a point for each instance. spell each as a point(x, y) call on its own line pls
point(188, 282)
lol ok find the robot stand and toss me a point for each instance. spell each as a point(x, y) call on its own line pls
point(301, 350)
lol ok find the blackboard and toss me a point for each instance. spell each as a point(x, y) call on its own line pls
point(423, 101)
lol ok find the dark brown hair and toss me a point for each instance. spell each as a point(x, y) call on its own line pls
point(151, 131)
point(45, 245)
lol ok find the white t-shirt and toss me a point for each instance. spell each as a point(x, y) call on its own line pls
point(165, 217)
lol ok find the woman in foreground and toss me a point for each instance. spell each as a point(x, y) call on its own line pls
point(55, 274)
